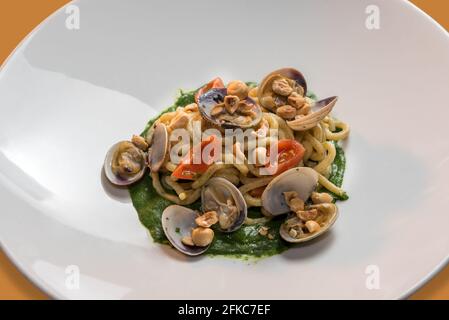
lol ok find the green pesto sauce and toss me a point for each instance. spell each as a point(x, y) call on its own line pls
point(243, 243)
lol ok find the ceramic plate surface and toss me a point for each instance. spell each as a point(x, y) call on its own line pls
point(67, 95)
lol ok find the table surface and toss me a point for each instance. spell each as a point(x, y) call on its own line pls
point(19, 17)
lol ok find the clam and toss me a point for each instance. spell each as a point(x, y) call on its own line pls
point(221, 196)
point(181, 226)
point(319, 111)
point(270, 99)
point(159, 147)
point(246, 114)
point(330, 216)
point(124, 163)
point(177, 223)
point(302, 180)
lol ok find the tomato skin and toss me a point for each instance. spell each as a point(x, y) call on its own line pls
point(290, 153)
point(189, 171)
point(214, 83)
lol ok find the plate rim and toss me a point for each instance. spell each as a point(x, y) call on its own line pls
point(51, 293)
point(36, 281)
point(445, 261)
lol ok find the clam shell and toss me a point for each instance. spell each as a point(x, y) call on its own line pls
point(319, 111)
point(116, 179)
point(214, 194)
point(178, 222)
point(291, 73)
point(159, 147)
point(284, 233)
point(210, 99)
point(303, 180)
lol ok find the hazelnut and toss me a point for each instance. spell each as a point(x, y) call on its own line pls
point(238, 88)
point(286, 112)
point(307, 215)
point(187, 241)
point(231, 103)
point(321, 197)
point(312, 226)
point(139, 142)
point(296, 100)
point(202, 237)
point(282, 87)
point(207, 219)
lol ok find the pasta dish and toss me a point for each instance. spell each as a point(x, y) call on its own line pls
point(244, 168)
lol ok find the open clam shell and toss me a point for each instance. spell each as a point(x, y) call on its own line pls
point(320, 110)
point(283, 232)
point(303, 180)
point(265, 87)
point(178, 222)
point(215, 196)
point(213, 97)
point(113, 176)
point(159, 147)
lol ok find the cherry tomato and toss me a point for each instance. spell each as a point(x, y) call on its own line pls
point(290, 153)
point(188, 170)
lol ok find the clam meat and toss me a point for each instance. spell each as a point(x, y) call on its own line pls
point(221, 196)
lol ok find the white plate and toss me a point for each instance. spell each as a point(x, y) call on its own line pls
point(67, 95)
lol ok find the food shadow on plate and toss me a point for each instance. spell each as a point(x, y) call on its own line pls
point(117, 193)
point(386, 184)
point(310, 249)
point(382, 181)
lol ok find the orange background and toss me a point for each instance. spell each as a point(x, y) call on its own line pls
point(19, 17)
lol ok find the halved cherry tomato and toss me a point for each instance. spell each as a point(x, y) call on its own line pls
point(187, 169)
point(214, 83)
point(290, 153)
